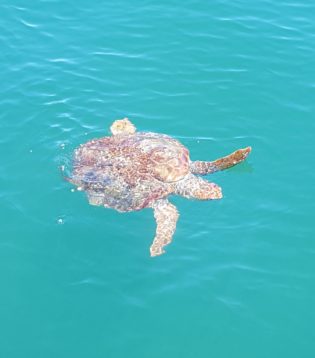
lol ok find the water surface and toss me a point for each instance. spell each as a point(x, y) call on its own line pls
point(238, 279)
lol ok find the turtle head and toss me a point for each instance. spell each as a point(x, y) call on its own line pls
point(122, 126)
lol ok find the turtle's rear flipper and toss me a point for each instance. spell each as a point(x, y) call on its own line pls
point(203, 168)
point(166, 216)
point(194, 187)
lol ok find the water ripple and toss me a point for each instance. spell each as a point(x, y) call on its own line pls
point(29, 24)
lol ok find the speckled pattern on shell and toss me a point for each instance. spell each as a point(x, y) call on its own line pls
point(129, 172)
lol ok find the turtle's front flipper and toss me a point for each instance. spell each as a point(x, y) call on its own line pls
point(203, 168)
point(166, 216)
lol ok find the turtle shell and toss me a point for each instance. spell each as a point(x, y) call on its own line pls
point(129, 172)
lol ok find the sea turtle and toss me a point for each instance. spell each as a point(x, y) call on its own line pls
point(134, 170)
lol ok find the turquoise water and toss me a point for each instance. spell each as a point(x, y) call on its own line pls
point(238, 279)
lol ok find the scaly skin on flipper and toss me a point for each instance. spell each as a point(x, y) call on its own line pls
point(132, 170)
point(166, 216)
point(203, 168)
point(192, 187)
